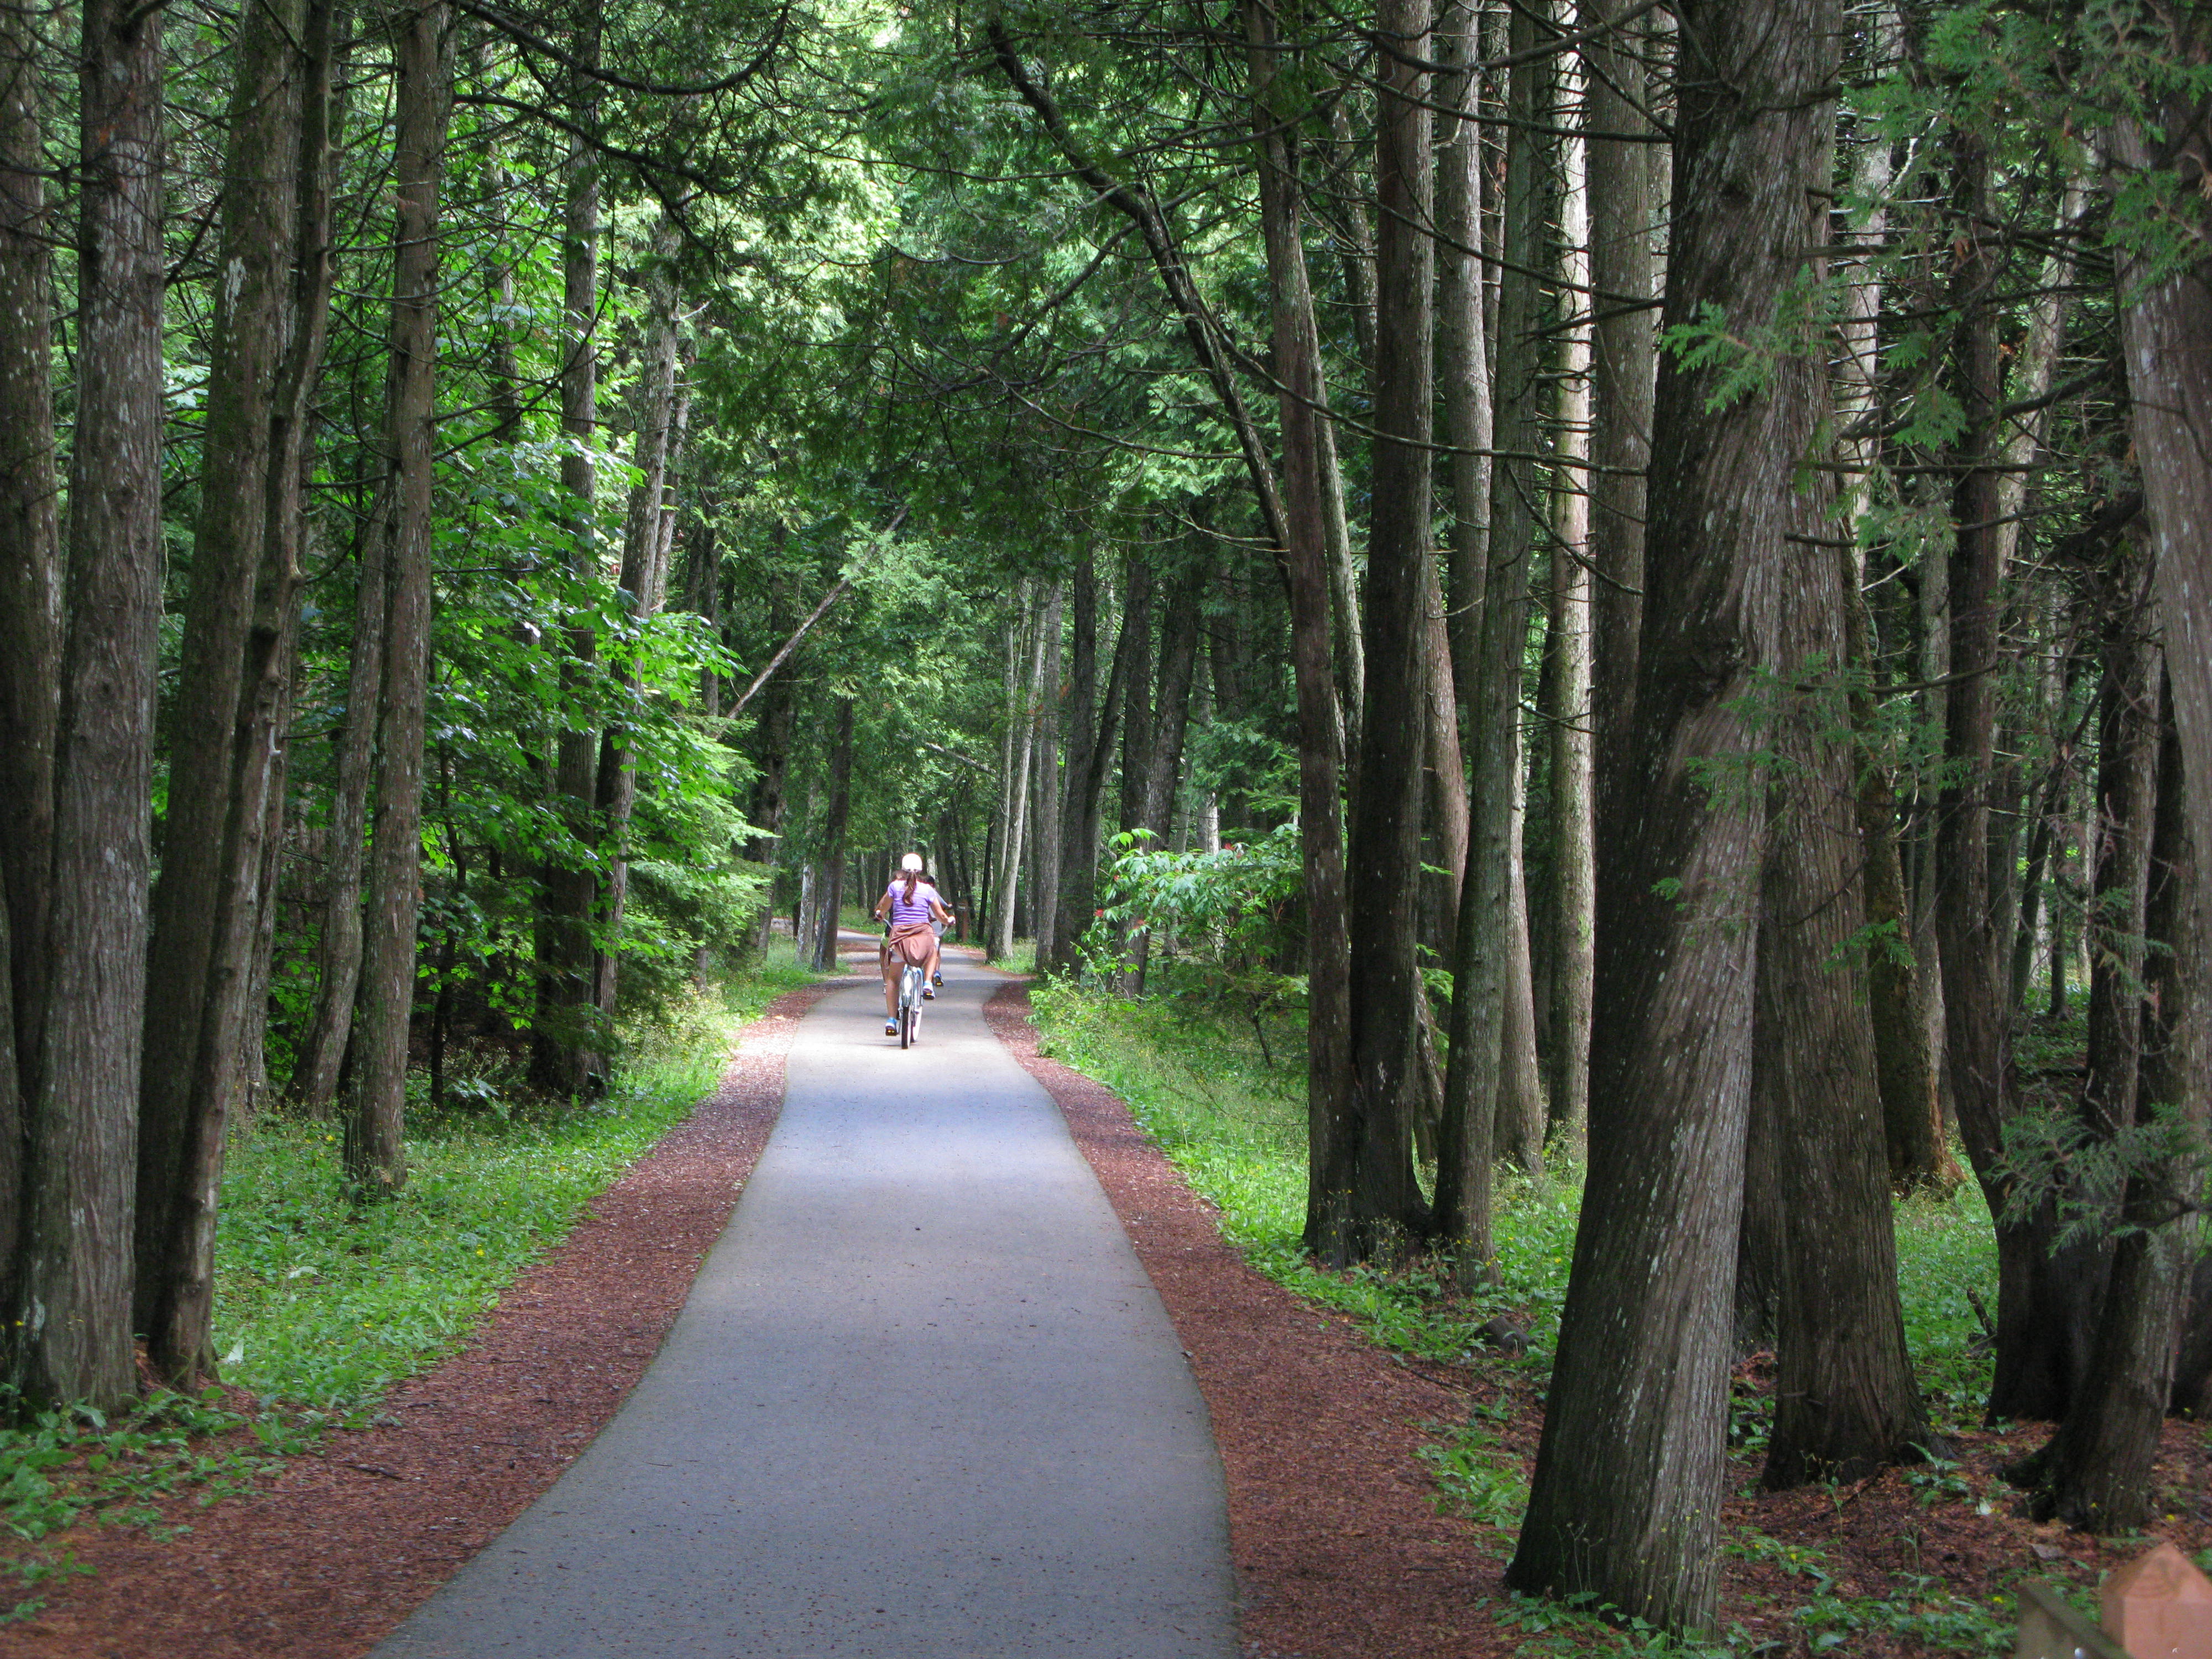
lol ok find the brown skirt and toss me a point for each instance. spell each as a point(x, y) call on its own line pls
point(910, 944)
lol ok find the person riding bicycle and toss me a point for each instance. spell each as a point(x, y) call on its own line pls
point(910, 905)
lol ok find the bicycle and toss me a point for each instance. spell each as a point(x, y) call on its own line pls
point(912, 979)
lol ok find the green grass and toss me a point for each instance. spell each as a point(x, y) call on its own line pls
point(1233, 1119)
point(1946, 1249)
point(322, 1303)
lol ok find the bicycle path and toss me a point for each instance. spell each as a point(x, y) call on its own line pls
point(922, 1403)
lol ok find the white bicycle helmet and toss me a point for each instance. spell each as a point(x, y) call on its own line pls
point(911, 862)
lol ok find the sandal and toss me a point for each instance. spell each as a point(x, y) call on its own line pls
point(890, 1028)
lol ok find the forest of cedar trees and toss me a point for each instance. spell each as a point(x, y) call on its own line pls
point(1644, 568)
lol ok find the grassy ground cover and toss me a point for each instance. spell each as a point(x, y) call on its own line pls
point(323, 1303)
point(1222, 1091)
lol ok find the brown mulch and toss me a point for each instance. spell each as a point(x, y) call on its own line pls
point(335, 1552)
point(1339, 1551)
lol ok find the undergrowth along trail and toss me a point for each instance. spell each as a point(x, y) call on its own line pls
point(1219, 1087)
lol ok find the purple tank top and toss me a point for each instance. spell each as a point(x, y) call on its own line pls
point(904, 915)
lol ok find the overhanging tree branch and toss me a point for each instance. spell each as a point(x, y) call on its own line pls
point(1138, 203)
point(821, 611)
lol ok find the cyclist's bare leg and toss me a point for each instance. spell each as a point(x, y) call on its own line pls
point(891, 964)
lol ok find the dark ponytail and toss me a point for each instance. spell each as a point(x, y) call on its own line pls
point(912, 877)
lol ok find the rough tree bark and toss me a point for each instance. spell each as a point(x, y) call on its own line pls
point(1625, 1500)
point(1845, 1400)
point(1025, 668)
point(1905, 1061)
point(1161, 770)
point(1574, 750)
point(562, 1057)
point(1305, 558)
point(205, 906)
point(1079, 729)
point(1090, 757)
point(2097, 1469)
point(2166, 333)
point(375, 1157)
point(2044, 1298)
point(1137, 694)
point(1382, 862)
point(2119, 882)
point(1484, 941)
point(1623, 282)
point(1045, 788)
point(326, 40)
point(30, 607)
point(73, 1287)
point(654, 410)
point(830, 883)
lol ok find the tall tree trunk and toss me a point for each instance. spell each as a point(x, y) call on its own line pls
point(1076, 859)
point(830, 884)
point(562, 1057)
point(1382, 887)
point(1917, 1149)
point(1305, 557)
point(1179, 641)
point(1574, 751)
point(1905, 1060)
point(2166, 333)
point(375, 1157)
point(772, 739)
point(1044, 810)
point(2034, 1364)
point(2119, 884)
point(1444, 855)
point(1845, 1400)
point(1462, 346)
point(1623, 282)
point(325, 40)
point(1162, 769)
point(1086, 782)
point(640, 580)
point(1521, 1116)
point(2099, 1466)
point(75, 1279)
point(1481, 964)
point(1628, 1484)
point(1137, 698)
point(314, 1082)
point(205, 913)
point(31, 626)
point(1024, 669)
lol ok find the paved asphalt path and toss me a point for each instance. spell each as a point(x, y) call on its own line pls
point(922, 1403)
